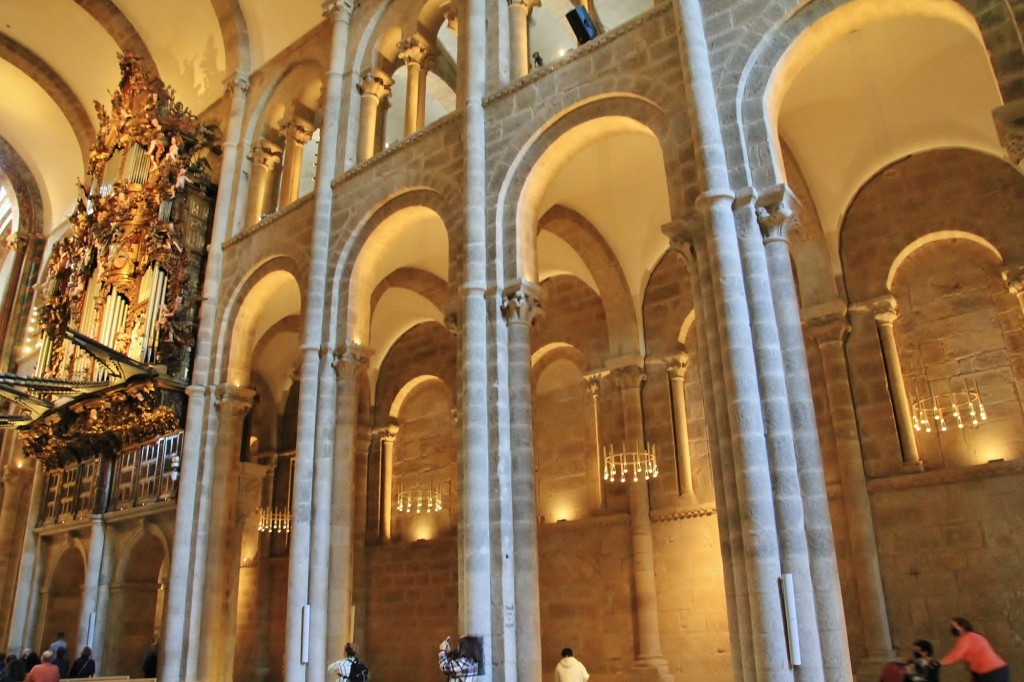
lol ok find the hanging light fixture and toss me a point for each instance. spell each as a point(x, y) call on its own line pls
point(279, 519)
point(637, 463)
point(963, 408)
point(419, 499)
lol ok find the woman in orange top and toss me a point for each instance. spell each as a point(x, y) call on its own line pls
point(974, 650)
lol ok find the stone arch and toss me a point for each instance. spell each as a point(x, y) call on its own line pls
point(24, 188)
point(403, 393)
point(955, 202)
point(348, 321)
point(550, 353)
point(121, 30)
point(667, 305)
point(792, 41)
point(570, 130)
point(61, 603)
point(138, 591)
point(235, 34)
point(435, 353)
point(579, 233)
point(300, 72)
point(426, 284)
point(931, 237)
point(240, 314)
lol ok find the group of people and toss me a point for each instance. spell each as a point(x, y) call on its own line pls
point(984, 664)
point(52, 665)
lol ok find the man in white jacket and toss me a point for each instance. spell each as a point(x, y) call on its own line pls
point(569, 669)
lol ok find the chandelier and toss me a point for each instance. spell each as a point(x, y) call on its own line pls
point(419, 499)
point(638, 462)
point(963, 407)
point(279, 519)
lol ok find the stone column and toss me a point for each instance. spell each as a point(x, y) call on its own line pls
point(686, 237)
point(265, 157)
point(413, 53)
point(886, 313)
point(521, 307)
point(233, 403)
point(372, 89)
point(829, 331)
point(349, 364)
point(249, 484)
point(421, 105)
point(777, 215)
point(24, 613)
point(595, 474)
point(387, 448)
point(754, 484)
point(676, 367)
point(629, 380)
point(297, 134)
point(307, 564)
point(519, 36)
point(785, 476)
point(16, 480)
point(188, 538)
point(91, 586)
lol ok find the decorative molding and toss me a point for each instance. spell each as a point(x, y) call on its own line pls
point(632, 376)
point(778, 213)
point(521, 304)
point(682, 514)
point(925, 479)
point(676, 365)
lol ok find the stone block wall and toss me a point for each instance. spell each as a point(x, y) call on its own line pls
point(949, 544)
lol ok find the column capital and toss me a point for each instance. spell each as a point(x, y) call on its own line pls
point(266, 153)
point(676, 365)
point(299, 129)
point(338, 9)
point(521, 304)
point(234, 399)
point(388, 433)
point(348, 359)
point(631, 376)
point(830, 328)
point(594, 382)
point(684, 232)
point(1014, 278)
point(236, 83)
point(374, 85)
point(1009, 121)
point(413, 50)
point(778, 212)
point(884, 309)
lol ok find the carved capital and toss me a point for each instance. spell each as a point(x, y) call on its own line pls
point(373, 85)
point(337, 9)
point(1009, 120)
point(1014, 278)
point(521, 304)
point(885, 310)
point(677, 365)
point(236, 84)
point(388, 434)
point(266, 153)
point(348, 359)
point(778, 212)
point(413, 50)
point(233, 400)
point(300, 130)
point(685, 232)
point(829, 328)
point(594, 383)
point(632, 376)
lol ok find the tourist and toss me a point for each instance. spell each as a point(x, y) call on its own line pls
point(923, 667)
point(570, 669)
point(58, 643)
point(30, 659)
point(974, 650)
point(46, 671)
point(461, 664)
point(83, 666)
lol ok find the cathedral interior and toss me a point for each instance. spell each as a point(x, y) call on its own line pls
point(688, 334)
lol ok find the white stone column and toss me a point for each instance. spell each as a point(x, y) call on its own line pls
point(829, 330)
point(738, 365)
point(519, 38)
point(297, 135)
point(349, 364)
point(265, 157)
point(676, 367)
point(22, 616)
point(233, 404)
point(372, 89)
point(786, 494)
point(595, 475)
point(886, 313)
point(421, 105)
point(475, 544)
point(187, 538)
point(413, 53)
point(301, 552)
point(521, 306)
point(777, 215)
point(629, 380)
point(91, 585)
point(685, 235)
point(15, 480)
point(387, 449)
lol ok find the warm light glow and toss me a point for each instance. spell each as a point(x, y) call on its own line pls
point(964, 408)
point(632, 464)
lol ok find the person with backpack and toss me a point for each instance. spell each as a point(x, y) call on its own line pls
point(350, 668)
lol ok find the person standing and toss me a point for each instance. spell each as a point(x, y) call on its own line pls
point(46, 671)
point(923, 667)
point(30, 659)
point(974, 650)
point(83, 666)
point(14, 670)
point(58, 643)
point(149, 661)
point(570, 669)
point(62, 662)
